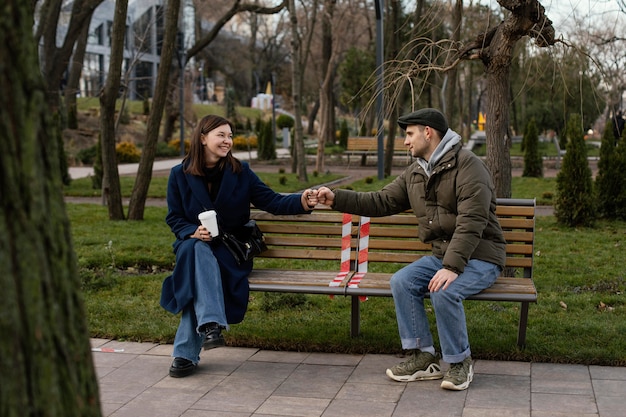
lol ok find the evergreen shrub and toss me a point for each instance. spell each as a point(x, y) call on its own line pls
point(574, 204)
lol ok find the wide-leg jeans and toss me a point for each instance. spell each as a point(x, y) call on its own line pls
point(207, 305)
point(409, 285)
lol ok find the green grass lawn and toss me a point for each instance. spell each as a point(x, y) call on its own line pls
point(580, 276)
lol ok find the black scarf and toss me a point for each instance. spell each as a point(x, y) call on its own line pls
point(213, 179)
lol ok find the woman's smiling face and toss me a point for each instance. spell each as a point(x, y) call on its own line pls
point(217, 143)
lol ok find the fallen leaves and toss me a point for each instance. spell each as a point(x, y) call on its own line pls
point(604, 307)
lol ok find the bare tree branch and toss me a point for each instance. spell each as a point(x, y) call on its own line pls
point(237, 8)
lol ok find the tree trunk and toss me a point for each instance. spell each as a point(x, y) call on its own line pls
point(327, 102)
point(451, 100)
point(312, 116)
point(47, 368)
point(498, 141)
point(73, 79)
point(144, 174)
point(172, 108)
point(111, 189)
point(495, 49)
point(55, 60)
point(393, 33)
point(296, 91)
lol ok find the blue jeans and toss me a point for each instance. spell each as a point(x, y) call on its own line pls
point(207, 305)
point(410, 284)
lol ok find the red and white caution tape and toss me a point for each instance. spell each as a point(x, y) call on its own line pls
point(363, 250)
point(344, 268)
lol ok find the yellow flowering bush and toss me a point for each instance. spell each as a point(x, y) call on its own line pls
point(127, 152)
point(240, 142)
point(175, 144)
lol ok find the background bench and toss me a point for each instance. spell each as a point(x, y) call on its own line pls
point(364, 146)
point(325, 235)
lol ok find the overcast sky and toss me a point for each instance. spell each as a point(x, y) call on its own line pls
point(563, 12)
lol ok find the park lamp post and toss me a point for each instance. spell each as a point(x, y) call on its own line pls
point(180, 41)
point(273, 82)
point(379, 87)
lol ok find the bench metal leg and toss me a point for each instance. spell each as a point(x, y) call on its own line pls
point(523, 323)
point(355, 321)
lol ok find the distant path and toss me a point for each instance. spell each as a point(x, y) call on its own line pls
point(351, 173)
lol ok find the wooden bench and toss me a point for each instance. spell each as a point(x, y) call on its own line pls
point(325, 235)
point(319, 237)
point(364, 146)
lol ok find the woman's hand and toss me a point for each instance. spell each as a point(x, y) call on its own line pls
point(203, 234)
point(309, 199)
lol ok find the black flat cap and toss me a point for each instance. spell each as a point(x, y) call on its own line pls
point(425, 117)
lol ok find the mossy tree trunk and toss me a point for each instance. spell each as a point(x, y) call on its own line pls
point(45, 356)
point(111, 188)
point(144, 174)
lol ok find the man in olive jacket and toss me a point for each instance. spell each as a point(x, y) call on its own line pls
point(451, 192)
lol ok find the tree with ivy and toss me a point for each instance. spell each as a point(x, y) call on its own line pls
point(533, 162)
point(574, 184)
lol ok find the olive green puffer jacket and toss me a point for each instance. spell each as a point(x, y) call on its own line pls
point(455, 208)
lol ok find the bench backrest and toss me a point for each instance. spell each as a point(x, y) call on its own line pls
point(393, 239)
point(333, 236)
point(370, 144)
point(318, 236)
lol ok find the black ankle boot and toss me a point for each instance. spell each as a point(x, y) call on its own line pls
point(181, 367)
point(212, 336)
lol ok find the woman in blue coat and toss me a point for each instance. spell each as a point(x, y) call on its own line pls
point(207, 284)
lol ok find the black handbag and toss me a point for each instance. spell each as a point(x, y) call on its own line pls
point(247, 243)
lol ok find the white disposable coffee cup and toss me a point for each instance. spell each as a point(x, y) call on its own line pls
point(209, 220)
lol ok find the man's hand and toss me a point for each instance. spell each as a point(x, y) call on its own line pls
point(442, 279)
point(325, 196)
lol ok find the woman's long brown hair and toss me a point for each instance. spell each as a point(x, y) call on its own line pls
point(194, 160)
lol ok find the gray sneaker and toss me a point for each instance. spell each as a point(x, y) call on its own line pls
point(459, 376)
point(419, 367)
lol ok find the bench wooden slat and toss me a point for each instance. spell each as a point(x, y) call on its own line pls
point(291, 241)
point(295, 278)
point(516, 211)
point(312, 254)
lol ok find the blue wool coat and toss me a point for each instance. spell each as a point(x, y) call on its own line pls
point(187, 196)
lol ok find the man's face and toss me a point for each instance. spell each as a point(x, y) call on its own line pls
point(418, 141)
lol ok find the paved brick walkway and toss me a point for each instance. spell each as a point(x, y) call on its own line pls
point(230, 381)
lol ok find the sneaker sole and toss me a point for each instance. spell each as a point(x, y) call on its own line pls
point(432, 372)
point(461, 387)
